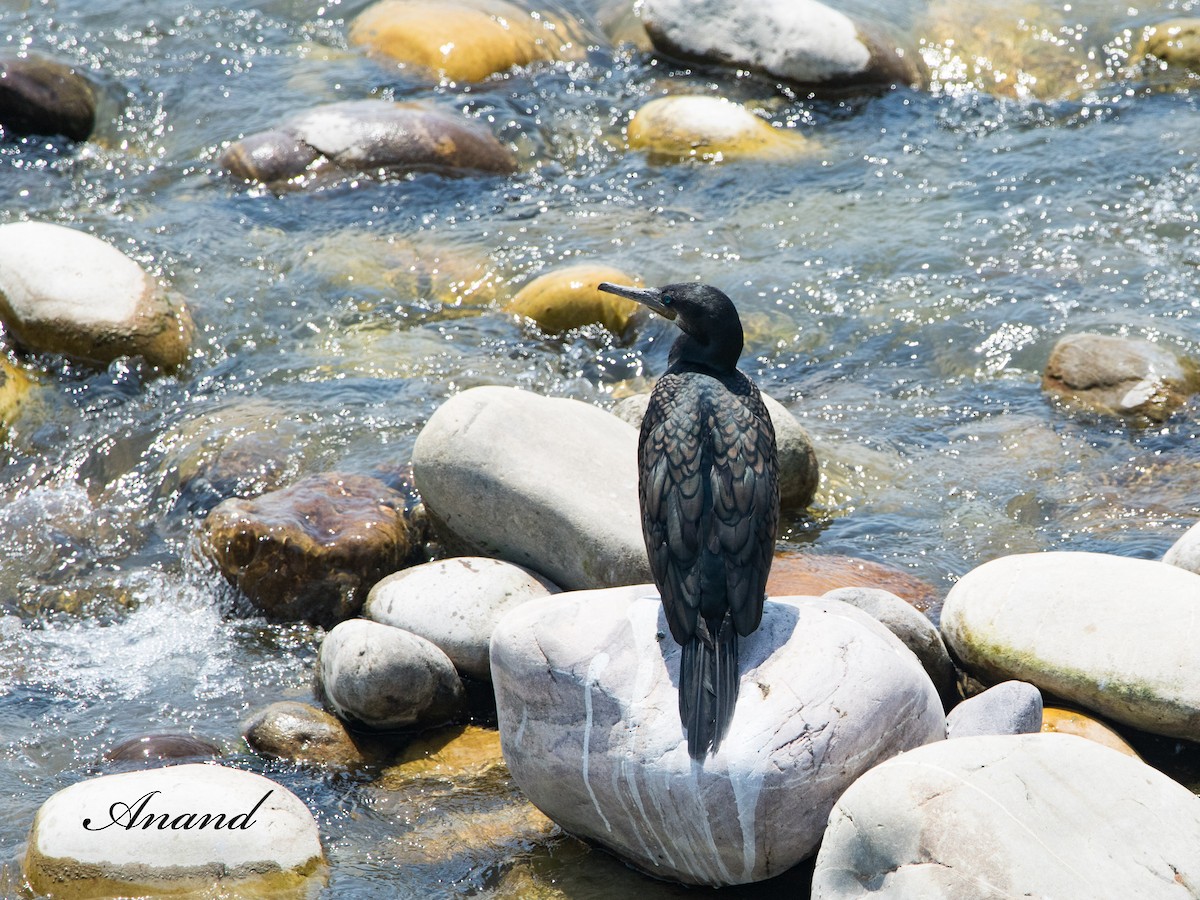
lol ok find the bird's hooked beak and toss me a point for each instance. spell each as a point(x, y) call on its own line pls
point(651, 297)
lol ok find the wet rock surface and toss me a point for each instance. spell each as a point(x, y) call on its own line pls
point(1120, 376)
point(311, 551)
point(302, 733)
point(63, 291)
point(39, 95)
point(365, 136)
point(567, 298)
point(463, 40)
point(711, 129)
point(798, 41)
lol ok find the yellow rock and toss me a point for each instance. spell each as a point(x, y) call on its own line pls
point(1175, 43)
point(709, 128)
point(463, 40)
point(1069, 721)
point(15, 387)
point(464, 751)
point(568, 298)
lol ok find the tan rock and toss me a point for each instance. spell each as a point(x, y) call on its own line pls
point(710, 128)
point(64, 291)
point(1174, 44)
point(457, 752)
point(567, 298)
point(1071, 721)
point(1127, 377)
point(311, 551)
point(462, 40)
point(301, 733)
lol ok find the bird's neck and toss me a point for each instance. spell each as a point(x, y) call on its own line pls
point(717, 354)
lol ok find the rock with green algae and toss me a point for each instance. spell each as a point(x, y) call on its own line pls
point(1113, 634)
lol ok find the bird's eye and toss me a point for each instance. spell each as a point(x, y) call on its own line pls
point(667, 299)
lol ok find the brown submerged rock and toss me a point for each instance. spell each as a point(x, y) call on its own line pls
point(156, 747)
point(311, 551)
point(302, 733)
point(463, 40)
point(364, 136)
point(1126, 377)
point(811, 574)
point(42, 96)
point(568, 298)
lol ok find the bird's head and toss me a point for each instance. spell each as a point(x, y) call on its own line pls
point(712, 329)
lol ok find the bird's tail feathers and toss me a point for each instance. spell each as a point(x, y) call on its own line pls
point(708, 685)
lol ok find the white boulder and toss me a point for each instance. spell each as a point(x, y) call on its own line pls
point(587, 705)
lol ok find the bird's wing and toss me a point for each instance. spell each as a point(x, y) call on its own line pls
point(674, 497)
point(745, 501)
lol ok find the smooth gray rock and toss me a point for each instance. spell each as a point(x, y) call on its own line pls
point(455, 603)
point(913, 628)
point(1035, 815)
point(1185, 552)
point(267, 841)
point(1012, 707)
point(1113, 634)
point(1121, 376)
point(800, 41)
point(64, 291)
point(386, 678)
point(799, 473)
point(587, 703)
point(546, 483)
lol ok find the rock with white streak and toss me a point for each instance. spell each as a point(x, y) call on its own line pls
point(1112, 634)
point(1012, 707)
point(546, 483)
point(455, 603)
point(587, 704)
point(800, 41)
point(170, 831)
point(1033, 815)
point(385, 678)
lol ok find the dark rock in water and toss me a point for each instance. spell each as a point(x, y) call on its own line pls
point(41, 96)
point(367, 135)
point(301, 733)
point(162, 746)
point(1121, 376)
point(311, 551)
point(799, 41)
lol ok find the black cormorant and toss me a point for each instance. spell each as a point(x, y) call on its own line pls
point(709, 491)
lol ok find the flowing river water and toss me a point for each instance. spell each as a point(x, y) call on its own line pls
point(901, 290)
